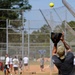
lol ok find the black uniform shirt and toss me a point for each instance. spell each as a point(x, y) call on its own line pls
point(64, 66)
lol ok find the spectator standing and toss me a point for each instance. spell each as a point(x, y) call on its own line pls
point(15, 64)
point(26, 60)
point(6, 67)
point(42, 64)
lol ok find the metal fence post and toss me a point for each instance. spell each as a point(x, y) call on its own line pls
point(7, 36)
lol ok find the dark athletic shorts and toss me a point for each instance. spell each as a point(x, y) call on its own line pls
point(41, 66)
point(15, 68)
point(26, 64)
point(6, 67)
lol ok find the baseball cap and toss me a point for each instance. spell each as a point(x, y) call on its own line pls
point(61, 52)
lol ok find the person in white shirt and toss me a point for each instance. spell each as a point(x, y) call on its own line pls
point(26, 60)
point(15, 64)
point(6, 67)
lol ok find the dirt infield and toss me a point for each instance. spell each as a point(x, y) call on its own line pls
point(34, 69)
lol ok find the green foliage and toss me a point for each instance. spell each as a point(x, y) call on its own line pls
point(41, 36)
point(8, 4)
point(44, 29)
point(12, 4)
point(9, 14)
point(72, 24)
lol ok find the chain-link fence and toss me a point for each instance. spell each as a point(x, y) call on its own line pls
point(31, 37)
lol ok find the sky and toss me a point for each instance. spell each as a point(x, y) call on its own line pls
point(44, 4)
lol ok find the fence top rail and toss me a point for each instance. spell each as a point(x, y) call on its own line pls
point(12, 9)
